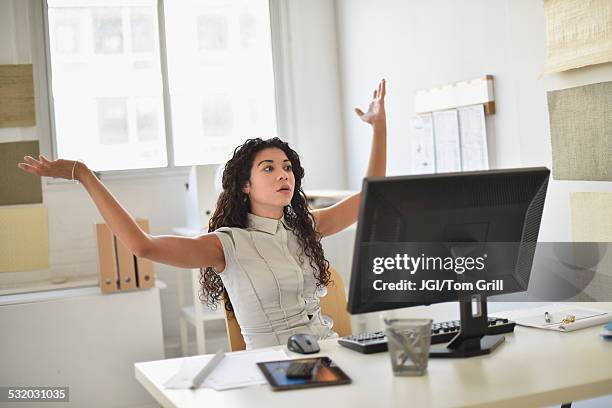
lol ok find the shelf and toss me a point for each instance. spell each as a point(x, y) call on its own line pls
point(47, 285)
point(63, 293)
point(208, 315)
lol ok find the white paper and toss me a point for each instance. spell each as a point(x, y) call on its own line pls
point(240, 370)
point(534, 317)
point(423, 149)
point(234, 371)
point(190, 367)
point(473, 135)
point(446, 135)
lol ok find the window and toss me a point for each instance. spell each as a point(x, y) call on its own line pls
point(220, 76)
point(107, 80)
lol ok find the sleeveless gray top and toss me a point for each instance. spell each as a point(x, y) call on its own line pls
point(273, 293)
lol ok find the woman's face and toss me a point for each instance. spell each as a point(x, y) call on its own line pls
point(272, 183)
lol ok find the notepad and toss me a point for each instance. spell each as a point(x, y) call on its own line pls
point(236, 370)
point(584, 317)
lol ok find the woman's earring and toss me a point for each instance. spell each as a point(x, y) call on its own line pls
point(245, 198)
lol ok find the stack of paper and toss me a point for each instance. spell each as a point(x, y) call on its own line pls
point(234, 371)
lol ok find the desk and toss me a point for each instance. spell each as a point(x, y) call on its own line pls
point(532, 368)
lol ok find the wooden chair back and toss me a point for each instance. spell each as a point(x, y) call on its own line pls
point(333, 305)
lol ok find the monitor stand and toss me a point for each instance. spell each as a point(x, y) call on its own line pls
point(472, 339)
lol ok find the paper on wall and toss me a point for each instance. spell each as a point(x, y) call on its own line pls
point(473, 135)
point(423, 149)
point(446, 135)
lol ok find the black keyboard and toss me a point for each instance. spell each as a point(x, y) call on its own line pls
point(443, 332)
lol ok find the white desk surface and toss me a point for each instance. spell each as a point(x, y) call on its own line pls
point(532, 368)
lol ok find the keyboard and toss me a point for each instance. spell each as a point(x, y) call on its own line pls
point(443, 332)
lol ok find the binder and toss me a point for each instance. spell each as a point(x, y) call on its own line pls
point(126, 265)
point(145, 275)
point(107, 274)
point(118, 268)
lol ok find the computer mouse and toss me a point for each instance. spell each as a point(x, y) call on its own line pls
point(303, 343)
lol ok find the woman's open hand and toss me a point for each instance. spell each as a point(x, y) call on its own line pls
point(376, 111)
point(51, 168)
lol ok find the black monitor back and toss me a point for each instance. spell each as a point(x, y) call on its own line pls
point(501, 209)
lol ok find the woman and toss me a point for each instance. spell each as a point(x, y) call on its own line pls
point(263, 247)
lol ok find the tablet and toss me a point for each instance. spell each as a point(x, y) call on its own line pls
point(322, 372)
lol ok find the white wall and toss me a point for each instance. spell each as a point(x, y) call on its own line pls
point(317, 108)
point(421, 44)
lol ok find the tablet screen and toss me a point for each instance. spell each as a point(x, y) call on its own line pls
point(316, 372)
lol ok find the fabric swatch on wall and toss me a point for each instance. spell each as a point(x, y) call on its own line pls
point(24, 238)
point(17, 96)
point(591, 217)
point(592, 223)
point(17, 186)
point(581, 132)
point(578, 33)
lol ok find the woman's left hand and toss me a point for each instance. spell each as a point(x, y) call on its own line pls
point(376, 111)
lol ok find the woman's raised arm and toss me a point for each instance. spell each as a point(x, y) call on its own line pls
point(185, 252)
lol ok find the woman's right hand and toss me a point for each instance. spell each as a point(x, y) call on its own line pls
point(52, 168)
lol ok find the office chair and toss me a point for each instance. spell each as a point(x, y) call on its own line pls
point(333, 305)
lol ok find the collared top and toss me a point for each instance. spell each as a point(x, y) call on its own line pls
point(273, 291)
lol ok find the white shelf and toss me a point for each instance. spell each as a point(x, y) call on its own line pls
point(47, 295)
point(47, 285)
point(189, 315)
point(207, 314)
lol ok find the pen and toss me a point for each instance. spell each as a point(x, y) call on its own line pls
point(206, 370)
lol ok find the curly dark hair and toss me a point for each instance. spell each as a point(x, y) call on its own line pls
point(233, 206)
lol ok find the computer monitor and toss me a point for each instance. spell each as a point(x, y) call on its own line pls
point(427, 239)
